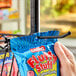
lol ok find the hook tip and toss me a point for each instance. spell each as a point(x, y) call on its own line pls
point(69, 33)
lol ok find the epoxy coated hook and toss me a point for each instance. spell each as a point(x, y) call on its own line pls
point(11, 34)
point(39, 37)
point(49, 37)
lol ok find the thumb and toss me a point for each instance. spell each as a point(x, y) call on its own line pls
point(60, 53)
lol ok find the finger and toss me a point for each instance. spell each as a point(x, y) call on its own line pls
point(60, 53)
point(68, 53)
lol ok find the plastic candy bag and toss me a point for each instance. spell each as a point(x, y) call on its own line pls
point(7, 65)
point(36, 57)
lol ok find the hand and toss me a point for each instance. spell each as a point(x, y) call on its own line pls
point(67, 60)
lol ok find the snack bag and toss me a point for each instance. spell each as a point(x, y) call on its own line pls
point(36, 57)
point(5, 32)
point(5, 3)
point(7, 65)
point(1, 14)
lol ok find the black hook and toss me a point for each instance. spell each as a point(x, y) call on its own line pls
point(2, 34)
point(49, 37)
point(4, 61)
point(5, 38)
point(11, 65)
point(5, 50)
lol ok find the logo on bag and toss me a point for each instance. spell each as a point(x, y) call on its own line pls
point(42, 48)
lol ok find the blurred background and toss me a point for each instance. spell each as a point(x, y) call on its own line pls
point(54, 15)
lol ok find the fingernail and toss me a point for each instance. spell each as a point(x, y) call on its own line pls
point(57, 44)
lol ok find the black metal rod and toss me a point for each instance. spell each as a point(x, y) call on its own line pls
point(3, 50)
point(11, 65)
point(3, 35)
point(37, 16)
point(34, 16)
point(3, 63)
point(49, 37)
point(11, 34)
point(45, 37)
point(1, 47)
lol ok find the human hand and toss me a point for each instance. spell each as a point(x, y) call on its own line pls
point(67, 60)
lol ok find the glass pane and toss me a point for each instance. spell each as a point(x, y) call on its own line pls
point(28, 27)
point(58, 14)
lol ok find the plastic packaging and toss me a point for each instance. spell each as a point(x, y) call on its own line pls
point(9, 14)
point(36, 57)
point(7, 65)
point(5, 3)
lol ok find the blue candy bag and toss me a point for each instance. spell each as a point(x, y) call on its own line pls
point(36, 57)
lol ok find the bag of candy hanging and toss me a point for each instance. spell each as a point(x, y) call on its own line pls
point(7, 65)
point(36, 57)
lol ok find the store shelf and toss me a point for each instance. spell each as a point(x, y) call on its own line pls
point(10, 20)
